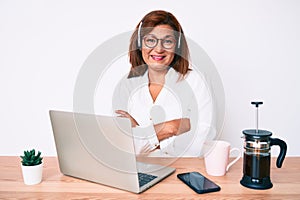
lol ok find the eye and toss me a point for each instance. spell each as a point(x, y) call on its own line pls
point(150, 40)
point(168, 41)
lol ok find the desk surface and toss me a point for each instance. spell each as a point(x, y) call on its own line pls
point(55, 185)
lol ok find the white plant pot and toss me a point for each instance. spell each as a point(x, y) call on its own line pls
point(32, 174)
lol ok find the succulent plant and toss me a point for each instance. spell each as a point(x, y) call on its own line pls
point(30, 159)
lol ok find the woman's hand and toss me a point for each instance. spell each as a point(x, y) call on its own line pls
point(125, 114)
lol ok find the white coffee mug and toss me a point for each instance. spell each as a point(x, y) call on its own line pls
point(217, 155)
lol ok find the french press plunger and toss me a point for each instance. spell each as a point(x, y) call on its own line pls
point(256, 166)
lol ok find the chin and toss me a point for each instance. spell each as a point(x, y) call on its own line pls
point(158, 66)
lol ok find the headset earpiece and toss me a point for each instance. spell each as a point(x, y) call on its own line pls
point(139, 40)
point(179, 40)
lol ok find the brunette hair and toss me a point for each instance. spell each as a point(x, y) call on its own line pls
point(159, 17)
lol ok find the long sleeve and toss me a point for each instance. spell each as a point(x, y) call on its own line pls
point(199, 110)
point(188, 98)
point(145, 139)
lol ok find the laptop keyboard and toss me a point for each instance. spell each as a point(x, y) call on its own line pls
point(145, 178)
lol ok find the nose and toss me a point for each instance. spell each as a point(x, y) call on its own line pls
point(159, 47)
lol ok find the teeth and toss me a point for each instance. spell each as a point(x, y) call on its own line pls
point(157, 57)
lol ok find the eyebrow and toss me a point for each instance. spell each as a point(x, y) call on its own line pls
point(167, 36)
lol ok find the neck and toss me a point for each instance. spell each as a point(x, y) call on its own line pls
point(157, 77)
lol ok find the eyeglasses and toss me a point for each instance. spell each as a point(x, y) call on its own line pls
point(167, 43)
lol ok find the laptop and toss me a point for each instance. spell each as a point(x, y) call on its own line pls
point(101, 149)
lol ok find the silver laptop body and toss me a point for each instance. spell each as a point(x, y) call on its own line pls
point(100, 149)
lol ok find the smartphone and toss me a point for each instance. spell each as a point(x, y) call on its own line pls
point(198, 182)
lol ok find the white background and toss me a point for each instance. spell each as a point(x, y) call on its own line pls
point(254, 45)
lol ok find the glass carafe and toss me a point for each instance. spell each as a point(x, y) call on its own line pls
point(257, 158)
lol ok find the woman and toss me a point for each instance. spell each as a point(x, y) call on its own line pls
point(169, 105)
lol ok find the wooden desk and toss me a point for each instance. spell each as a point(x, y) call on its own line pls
point(286, 183)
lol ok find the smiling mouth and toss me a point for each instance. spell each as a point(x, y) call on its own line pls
point(157, 58)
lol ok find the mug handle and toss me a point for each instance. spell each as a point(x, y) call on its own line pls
point(236, 159)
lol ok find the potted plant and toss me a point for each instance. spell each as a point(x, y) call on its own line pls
point(32, 167)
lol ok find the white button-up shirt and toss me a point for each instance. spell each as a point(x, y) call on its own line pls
point(184, 98)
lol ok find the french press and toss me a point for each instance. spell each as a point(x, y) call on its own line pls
point(257, 156)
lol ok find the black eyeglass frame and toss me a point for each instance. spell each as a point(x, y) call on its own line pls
point(162, 41)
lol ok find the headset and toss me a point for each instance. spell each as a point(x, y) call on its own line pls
point(139, 40)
